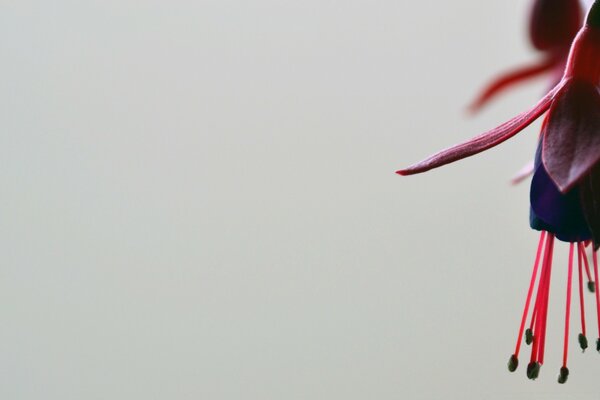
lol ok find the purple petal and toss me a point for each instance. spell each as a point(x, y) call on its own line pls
point(556, 212)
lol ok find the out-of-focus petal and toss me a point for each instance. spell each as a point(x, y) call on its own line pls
point(523, 173)
point(511, 78)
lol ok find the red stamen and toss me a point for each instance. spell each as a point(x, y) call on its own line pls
point(568, 305)
point(582, 337)
point(546, 297)
point(587, 265)
point(537, 349)
point(533, 316)
point(595, 258)
point(529, 293)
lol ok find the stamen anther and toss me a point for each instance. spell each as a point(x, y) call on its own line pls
point(595, 260)
point(533, 370)
point(513, 363)
point(563, 375)
point(591, 285)
point(528, 336)
point(530, 292)
point(583, 342)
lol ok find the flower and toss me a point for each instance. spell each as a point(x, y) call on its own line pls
point(565, 189)
point(552, 26)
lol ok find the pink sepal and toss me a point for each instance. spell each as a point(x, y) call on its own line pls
point(487, 139)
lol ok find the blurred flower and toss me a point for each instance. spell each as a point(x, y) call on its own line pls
point(552, 26)
point(554, 23)
point(523, 173)
point(565, 189)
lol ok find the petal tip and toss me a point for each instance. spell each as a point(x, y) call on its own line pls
point(474, 108)
point(564, 188)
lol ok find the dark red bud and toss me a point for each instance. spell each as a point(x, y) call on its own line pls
point(554, 23)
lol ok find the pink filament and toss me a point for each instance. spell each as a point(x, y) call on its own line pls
point(580, 253)
point(530, 292)
point(595, 258)
point(541, 303)
point(568, 305)
point(587, 264)
point(546, 298)
point(533, 316)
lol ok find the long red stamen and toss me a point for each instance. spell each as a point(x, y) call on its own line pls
point(529, 293)
point(546, 298)
point(541, 306)
point(533, 315)
point(582, 336)
point(529, 331)
point(538, 301)
point(591, 284)
point(595, 258)
point(564, 371)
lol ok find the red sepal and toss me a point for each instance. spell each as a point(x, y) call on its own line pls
point(485, 140)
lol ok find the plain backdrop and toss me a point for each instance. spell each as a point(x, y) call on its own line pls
point(198, 201)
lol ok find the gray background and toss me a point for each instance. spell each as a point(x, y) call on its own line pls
point(197, 201)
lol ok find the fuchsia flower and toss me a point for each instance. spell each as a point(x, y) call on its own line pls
point(565, 188)
point(552, 26)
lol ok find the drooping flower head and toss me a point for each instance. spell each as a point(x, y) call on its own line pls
point(565, 189)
